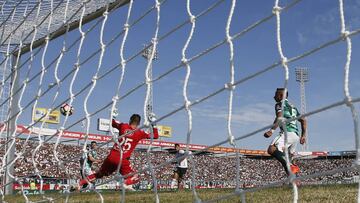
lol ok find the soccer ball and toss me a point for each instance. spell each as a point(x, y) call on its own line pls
point(66, 110)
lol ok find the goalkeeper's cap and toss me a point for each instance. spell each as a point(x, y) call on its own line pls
point(135, 119)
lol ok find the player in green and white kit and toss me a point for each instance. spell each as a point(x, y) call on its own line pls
point(89, 159)
point(277, 147)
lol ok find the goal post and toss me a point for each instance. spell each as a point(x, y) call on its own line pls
point(11, 129)
point(23, 27)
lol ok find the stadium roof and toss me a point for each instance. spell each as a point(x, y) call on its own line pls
point(18, 18)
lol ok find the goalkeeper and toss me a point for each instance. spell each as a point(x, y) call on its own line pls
point(277, 147)
point(126, 146)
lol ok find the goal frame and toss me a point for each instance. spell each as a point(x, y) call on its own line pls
point(15, 81)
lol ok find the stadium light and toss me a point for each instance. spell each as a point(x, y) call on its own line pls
point(302, 76)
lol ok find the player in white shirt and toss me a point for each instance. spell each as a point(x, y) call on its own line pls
point(181, 167)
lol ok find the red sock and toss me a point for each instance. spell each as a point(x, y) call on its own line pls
point(88, 179)
point(132, 180)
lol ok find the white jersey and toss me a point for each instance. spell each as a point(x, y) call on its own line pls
point(182, 163)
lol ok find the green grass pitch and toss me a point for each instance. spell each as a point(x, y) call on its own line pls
point(328, 193)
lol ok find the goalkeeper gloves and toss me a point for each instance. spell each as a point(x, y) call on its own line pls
point(152, 119)
point(114, 114)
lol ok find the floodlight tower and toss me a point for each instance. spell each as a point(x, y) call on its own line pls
point(147, 55)
point(302, 76)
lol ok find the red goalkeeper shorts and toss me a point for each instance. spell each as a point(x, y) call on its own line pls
point(111, 164)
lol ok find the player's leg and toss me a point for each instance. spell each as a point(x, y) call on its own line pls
point(179, 182)
point(175, 179)
point(181, 173)
point(82, 174)
point(293, 139)
point(85, 172)
point(276, 150)
point(125, 170)
point(107, 168)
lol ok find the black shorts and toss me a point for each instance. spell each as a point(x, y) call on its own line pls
point(180, 171)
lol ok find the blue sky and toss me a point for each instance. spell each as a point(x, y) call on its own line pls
point(305, 26)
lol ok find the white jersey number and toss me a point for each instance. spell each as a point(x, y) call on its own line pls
point(125, 143)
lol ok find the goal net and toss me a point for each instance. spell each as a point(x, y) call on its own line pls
point(99, 57)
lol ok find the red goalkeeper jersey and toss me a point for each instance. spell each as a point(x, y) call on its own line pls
point(129, 142)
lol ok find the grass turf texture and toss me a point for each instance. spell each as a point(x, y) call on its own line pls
point(328, 193)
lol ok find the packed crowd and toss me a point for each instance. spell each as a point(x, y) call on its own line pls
point(207, 168)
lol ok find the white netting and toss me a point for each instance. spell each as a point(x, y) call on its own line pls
point(72, 64)
point(17, 17)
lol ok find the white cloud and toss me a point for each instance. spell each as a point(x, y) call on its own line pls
point(327, 24)
point(324, 23)
point(301, 38)
point(258, 114)
point(331, 129)
point(354, 9)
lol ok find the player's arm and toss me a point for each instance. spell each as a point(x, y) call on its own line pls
point(92, 159)
point(152, 119)
point(148, 135)
point(275, 124)
point(303, 129)
point(116, 124)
